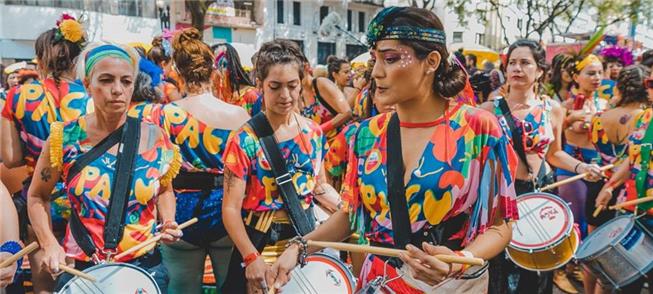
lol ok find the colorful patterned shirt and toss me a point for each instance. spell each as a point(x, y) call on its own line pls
point(249, 99)
point(335, 161)
point(34, 106)
point(610, 153)
point(536, 127)
point(466, 154)
point(642, 123)
point(90, 190)
point(303, 155)
point(201, 146)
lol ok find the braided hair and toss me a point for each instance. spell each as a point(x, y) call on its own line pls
point(631, 84)
point(237, 75)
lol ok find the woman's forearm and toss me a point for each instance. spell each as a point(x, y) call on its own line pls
point(491, 242)
point(235, 226)
point(167, 205)
point(11, 149)
point(8, 217)
point(563, 160)
point(336, 228)
point(38, 209)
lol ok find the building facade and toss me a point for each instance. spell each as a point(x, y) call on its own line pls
point(21, 21)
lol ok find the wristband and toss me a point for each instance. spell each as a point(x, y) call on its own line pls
point(250, 258)
point(12, 247)
point(576, 167)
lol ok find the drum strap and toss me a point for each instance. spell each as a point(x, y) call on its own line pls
point(401, 228)
point(283, 179)
point(128, 135)
point(517, 136)
point(642, 175)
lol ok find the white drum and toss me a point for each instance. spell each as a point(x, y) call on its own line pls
point(118, 278)
point(618, 252)
point(544, 238)
point(321, 274)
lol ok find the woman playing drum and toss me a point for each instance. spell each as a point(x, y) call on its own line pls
point(533, 122)
point(636, 172)
point(200, 124)
point(250, 186)
point(28, 113)
point(108, 72)
point(444, 147)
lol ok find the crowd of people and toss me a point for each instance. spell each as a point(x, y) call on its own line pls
point(106, 146)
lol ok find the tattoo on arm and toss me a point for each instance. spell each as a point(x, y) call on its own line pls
point(46, 174)
point(229, 179)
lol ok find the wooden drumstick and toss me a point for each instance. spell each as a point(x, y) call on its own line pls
point(153, 240)
point(75, 272)
point(632, 202)
point(573, 179)
point(597, 210)
point(27, 250)
point(392, 252)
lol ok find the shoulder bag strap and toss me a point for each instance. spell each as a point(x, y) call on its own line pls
point(401, 228)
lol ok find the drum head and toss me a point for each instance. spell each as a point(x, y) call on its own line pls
point(113, 278)
point(544, 219)
point(321, 274)
point(608, 234)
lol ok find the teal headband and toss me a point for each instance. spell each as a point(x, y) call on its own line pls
point(96, 54)
point(377, 31)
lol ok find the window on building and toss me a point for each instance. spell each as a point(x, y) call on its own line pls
point(361, 21)
point(353, 51)
point(457, 37)
point(280, 11)
point(325, 49)
point(480, 39)
point(296, 13)
point(324, 11)
point(349, 19)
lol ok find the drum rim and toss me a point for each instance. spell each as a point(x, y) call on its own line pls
point(347, 272)
point(612, 242)
point(124, 264)
point(573, 256)
point(564, 236)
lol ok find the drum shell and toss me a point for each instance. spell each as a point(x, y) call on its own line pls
point(546, 259)
point(111, 280)
point(327, 275)
point(624, 260)
point(553, 253)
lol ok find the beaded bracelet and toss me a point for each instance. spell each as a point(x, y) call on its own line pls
point(249, 259)
point(303, 245)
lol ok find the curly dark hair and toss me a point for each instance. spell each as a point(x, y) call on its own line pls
point(559, 65)
point(278, 52)
point(333, 65)
point(630, 84)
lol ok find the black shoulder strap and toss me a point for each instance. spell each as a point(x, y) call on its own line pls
point(321, 99)
point(264, 132)
point(77, 229)
point(97, 150)
point(401, 228)
point(128, 148)
point(517, 139)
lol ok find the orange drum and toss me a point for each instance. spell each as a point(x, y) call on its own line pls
point(544, 238)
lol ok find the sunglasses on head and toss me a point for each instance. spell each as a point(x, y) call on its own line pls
point(648, 83)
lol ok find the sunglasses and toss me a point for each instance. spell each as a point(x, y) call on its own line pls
point(648, 83)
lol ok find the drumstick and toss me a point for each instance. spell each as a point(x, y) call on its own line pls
point(27, 250)
point(597, 210)
point(75, 272)
point(573, 179)
point(392, 252)
point(153, 240)
point(632, 202)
